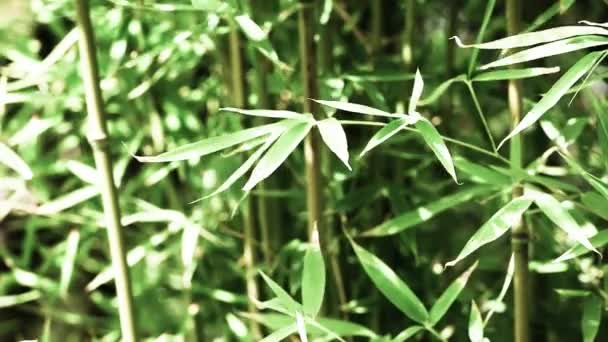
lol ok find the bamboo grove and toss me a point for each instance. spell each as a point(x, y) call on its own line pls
point(303, 170)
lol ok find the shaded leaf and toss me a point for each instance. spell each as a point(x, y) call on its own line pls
point(313, 278)
point(334, 137)
point(267, 113)
point(435, 142)
point(284, 298)
point(592, 316)
point(407, 333)
point(598, 240)
point(448, 296)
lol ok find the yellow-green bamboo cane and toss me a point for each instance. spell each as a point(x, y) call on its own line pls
point(98, 138)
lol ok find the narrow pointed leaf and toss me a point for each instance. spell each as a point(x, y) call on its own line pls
point(281, 334)
point(18, 299)
point(448, 297)
point(277, 154)
point(355, 108)
point(391, 286)
point(555, 93)
point(301, 327)
point(475, 324)
point(553, 209)
point(11, 159)
point(513, 74)
point(313, 278)
point(481, 174)
point(284, 298)
point(416, 92)
point(550, 49)
point(267, 113)
point(442, 88)
point(592, 316)
point(426, 212)
point(69, 200)
point(495, 227)
point(435, 142)
point(407, 333)
point(214, 144)
point(83, 171)
point(596, 183)
point(384, 134)
point(250, 28)
point(535, 38)
point(334, 137)
point(487, 15)
point(503, 291)
point(597, 241)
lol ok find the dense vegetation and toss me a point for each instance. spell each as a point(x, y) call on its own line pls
point(303, 170)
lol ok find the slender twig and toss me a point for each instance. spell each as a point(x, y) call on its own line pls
point(480, 112)
point(98, 138)
point(519, 234)
point(351, 22)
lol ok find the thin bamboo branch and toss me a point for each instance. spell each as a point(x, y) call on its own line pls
point(408, 35)
point(98, 138)
point(520, 234)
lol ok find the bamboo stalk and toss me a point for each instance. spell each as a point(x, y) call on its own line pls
point(520, 233)
point(249, 257)
point(376, 25)
point(98, 138)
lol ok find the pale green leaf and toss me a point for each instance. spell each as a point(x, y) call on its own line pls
point(11, 159)
point(356, 108)
point(67, 201)
point(598, 240)
point(448, 297)
point(490, 4)
point(384, 134)
point(277, 154)
point(475, 324)
point(69, 260)
point(284, 298)
point(334, 137)
point(83, 171)
point(301, 327)
point(592, 316)
point(503, 291)
point(426, 212)
point(557, 8)
point(596, 203)
point(250, 28)
point(407, 333)
point(416, 93)
point(550, 49)
point(513, 74)
point(481, 174)
point(280, 114)
point(495, 227)
point(435, 142)
point(391, 286)
point(553, 209)
point(281, 334)
point(535, 38)
point(18, 299)
point(442, 88)
point(555, 93)
point(596, 183)
point(313, 278)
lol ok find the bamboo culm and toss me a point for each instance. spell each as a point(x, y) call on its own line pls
point(98, 138)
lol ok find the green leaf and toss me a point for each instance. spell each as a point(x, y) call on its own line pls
point(328, 5)
point(513, 74)
point(535, 38)
point(596, 204)
point(475, 324)
point(557, 8)
point(436, 94)
point(337, 327)
point(301, 327)
point(416, 93)
point(592, 316)
point(267, 113)
point(481, 174)
point(384, 134)
point(284, 298)
point(83, 171)
point(214, 144)
point(596, 183)
point(598, 240)
point(252, 30)
point(281, 334)
point(11, 159)
point(503, 291)
point(334, 137)
point(448, 297)
point(389, 284)
point(277, 154)
point(356, 108)
point(482, 31)
point(407, 333)
point(553, 209)
point(555, 93)
point(313, 278)
point(18, 299)
point(495, 227)
point(67, 201)
point(550, 49)
point(435, 142)
point(426, 212)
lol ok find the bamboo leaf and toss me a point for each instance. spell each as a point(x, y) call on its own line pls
point(337, 327)
point(536, 38)
point(407, 333)
point(550, 49)
point(267, 113)
point(596, 183)
point(301, 327)
point(426, 212)
point(277, 154)
point(214, 144)
point(389, 284)
point(442, 88)
point(513, 74)
point(495, 227)
point(334, 137)
point(435, 142)
point(592, 316)
point(250, 28)
point(598, 240)
point(475, 324)
point(448, 297)
point(555, 93)
point(281, 334)
point(384, 134)
point(69, 200)
point(355, 108)
point(83, 171)
point(284, 298)
point(416, 92)
point(503, 291)
point(482, 31)
point(557, 8)
point(11, 159)
point(481, 174)
point(553, 209)
point(313, 278)
point(7, 301)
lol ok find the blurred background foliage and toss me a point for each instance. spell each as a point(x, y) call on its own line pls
point(166, 70)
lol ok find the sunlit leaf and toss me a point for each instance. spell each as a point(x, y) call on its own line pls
point(495, 227)
point(11, 159)
point(284, 298)
point(434, 140)
point(69, 200)
point(475, 324)
point(384, 134)
point(355, 108)
point(282, 333)
point(334, 137)
point(313, 278)
point(592, 316)
point(503, 291)
point(280, 114)
point(597, 241)
point(416, 92)
point(513, 74)
point(448, 296)
point(407, 333)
